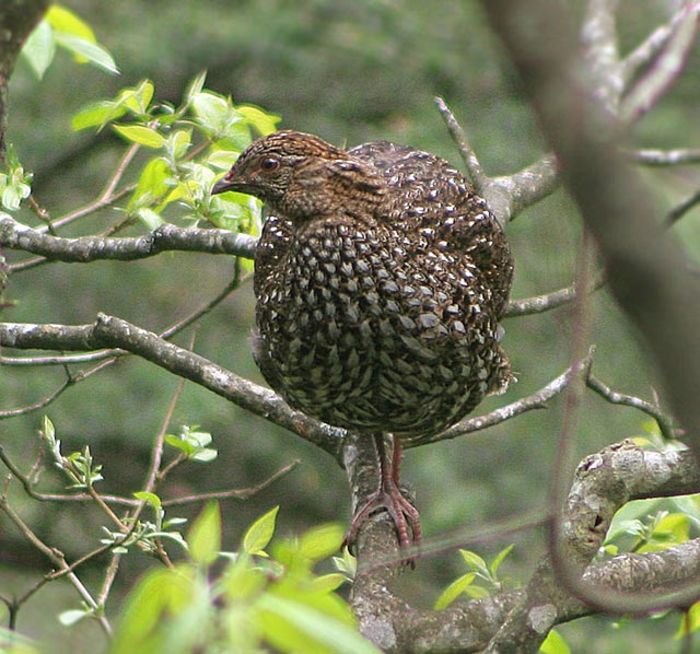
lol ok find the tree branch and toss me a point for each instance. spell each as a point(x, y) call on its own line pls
point(518, 621)
point(538, 400)
point(17, 20)
point(599, 40)
point(108, 331)
point(603, 483)
point(676, 157)
point(475, 172)
point(646, 270)
point(665, 422)
point(16, 236)
point(664, 71)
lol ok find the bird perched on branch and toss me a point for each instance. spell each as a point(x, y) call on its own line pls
point(380, 277)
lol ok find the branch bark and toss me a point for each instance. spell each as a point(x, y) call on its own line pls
point(84, 249)
point(17, 20)
point(108, 331)
point(646, 269)
point(518, 621)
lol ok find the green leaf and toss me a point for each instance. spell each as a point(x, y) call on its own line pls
point(347, 563)
point(453, 591)
point(210, 109)
point(142, 135)
point(137, 100)
point(474, 561)
point(157, 595)
point(64, 20)
point(204, 536)
point(205, 455)
point(70, 617)
point(12, 642)
point(263, 122)
point(554, 644)
point(242, 581)
point(315, 625)
point(195, 87)
point(178, 443)
point(690, 622)
point(152, 185)
point(40, 48)
point(320, 542)
point(214, 113)
point(259, 534)
point(48, 429)
point(676, 525)
point(97, 114)
point(476, 592)
point(150, 498)
point(496, 563)
point(328, 583)
point(223, 159)
point(94, 53)
point(178, 143)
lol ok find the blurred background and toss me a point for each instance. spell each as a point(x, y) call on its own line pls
point(349, 71)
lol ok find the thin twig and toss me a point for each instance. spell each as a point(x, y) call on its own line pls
point(40, 404)
point(677, 212)
point(41, 213)
point(239, 494)
point(474, 170)
point(91, 207)
point(537, 400)
point(655, 157)
point(110, 576)
point(548, 301)
point(665, 422)
point(58, 559)
point(668, 66)
point(113, 182)
point(100, 355)
point(649, 48)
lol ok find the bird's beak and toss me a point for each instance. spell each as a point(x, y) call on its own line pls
point(233, 181)
point(223, 185)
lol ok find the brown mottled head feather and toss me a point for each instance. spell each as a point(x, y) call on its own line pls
point(302, 177)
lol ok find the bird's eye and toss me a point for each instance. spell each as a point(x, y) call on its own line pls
point(270, 164)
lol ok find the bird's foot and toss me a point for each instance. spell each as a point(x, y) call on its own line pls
point(402, 512)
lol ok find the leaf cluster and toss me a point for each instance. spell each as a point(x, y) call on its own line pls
point(254, 599)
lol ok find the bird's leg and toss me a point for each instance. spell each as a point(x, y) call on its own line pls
point(389, 496)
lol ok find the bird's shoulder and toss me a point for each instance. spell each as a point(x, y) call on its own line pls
point(430, 196)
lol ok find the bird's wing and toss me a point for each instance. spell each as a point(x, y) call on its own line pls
point(433, 198)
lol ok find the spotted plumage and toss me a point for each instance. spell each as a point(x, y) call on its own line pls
point(380, 279)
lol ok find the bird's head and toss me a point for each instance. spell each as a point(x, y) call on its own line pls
point(302, 176)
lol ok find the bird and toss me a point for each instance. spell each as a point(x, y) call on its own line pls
point(380, 279)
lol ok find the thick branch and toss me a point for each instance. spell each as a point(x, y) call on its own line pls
point(509, 195)
point(15, 236)
point(108, 331)
point(512, 194)
point(599, 39)
point(646, 270)
point(17, 19)
point(603, 483)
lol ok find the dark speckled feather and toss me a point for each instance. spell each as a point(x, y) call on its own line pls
point(380, 279)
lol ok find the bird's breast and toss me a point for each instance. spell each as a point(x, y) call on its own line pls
point(369, 327)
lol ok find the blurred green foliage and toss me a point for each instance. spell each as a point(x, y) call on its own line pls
point(257, 598)
point(349, 71)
